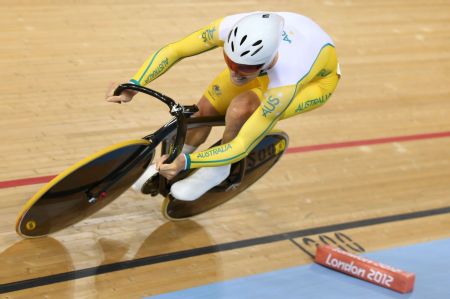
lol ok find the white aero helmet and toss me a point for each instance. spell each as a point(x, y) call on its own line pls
point(254, 39)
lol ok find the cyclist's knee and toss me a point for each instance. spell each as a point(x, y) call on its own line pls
point(243, 105)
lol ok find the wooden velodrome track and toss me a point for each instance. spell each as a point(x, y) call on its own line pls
point(56, 62)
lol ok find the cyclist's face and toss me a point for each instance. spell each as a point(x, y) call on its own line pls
point(242, 73)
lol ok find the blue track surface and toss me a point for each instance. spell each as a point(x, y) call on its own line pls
point(429, 261)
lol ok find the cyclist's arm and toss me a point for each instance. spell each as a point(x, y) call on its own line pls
point(159, 62)
point(252, 132)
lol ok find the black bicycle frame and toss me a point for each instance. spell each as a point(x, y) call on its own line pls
point(179, 111)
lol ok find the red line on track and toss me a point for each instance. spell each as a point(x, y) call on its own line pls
point(326, 146)
point(28, 181)
point(291, 150)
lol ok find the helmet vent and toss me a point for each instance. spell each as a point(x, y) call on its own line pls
point(257, 43)
point(232, 46)
point(235, 31)
point(243, 40)
point(245, 53)
point(257, 50)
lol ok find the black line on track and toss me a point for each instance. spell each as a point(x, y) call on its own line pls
point(167, 257)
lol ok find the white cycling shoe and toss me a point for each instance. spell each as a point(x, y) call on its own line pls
point(199, 182)
point(148, 173)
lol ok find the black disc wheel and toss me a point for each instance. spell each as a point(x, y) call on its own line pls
point(84, 188)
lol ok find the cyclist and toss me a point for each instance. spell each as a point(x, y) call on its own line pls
point(279, 64)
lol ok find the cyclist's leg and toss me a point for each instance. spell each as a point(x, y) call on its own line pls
point(316, 93)
point(240, 109)
point(216, 101)
point(196, 136)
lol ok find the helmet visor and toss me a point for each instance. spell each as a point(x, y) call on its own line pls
point(241, 69)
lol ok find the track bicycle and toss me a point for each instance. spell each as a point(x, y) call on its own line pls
point(94, 182)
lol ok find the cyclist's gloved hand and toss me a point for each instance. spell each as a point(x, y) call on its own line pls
point(125, 96)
